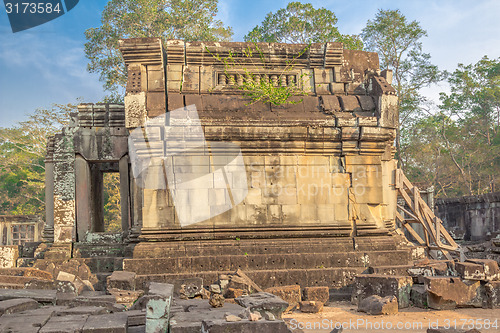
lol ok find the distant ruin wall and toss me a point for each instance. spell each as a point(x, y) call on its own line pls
point(476, 216)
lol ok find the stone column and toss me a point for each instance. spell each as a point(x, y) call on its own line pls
point(48, 229)
point(83, 197)
point(124, 194)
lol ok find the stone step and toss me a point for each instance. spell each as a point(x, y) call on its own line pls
point(11, 286)
point(104, 264)
point(90, 250)
point(21, 280)
point(335, 278)
point(264, 246)
point(188, 264)
point(26, 271)
point(25, 262)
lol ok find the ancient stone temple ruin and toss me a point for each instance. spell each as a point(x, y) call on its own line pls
point(211, 181)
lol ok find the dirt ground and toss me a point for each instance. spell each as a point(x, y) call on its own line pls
point(407, 320)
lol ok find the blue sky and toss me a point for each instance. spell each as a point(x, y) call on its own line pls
point(46, 64)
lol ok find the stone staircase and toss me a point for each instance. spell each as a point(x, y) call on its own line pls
point(331, 262)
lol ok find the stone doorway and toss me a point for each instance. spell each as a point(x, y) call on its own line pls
point(91, 177)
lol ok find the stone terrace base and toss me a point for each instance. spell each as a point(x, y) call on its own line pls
point(331, 262)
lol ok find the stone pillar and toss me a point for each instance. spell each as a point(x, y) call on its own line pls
point(48, 229)
point(83, 198)
point(136, 209)
point(124, 194)
point(64, 187)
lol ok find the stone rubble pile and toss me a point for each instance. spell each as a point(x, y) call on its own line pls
point(439, 285)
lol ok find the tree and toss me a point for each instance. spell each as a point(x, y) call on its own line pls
point(398, 43)
point(22, 153)
point(301, 23)
point(472, 134)
point(191, 20)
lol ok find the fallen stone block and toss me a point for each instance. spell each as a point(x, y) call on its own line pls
point(88, 310)
point(234, 293)
point(126, 297)
point(39, 295)
point(490, 269)
point(158, 307)
point(492, 294)
point(376, 305)
point(68, 323)
point(40, 284)
point(216, 301)
point(244, 326)
point(263, 302)
point(17, 305)
point(418, 296)
point(64, 276)
point(318, 294)
point(366, 285)
point(215, 288)
point(108, 323)
point(290, 294)
point(311, 306)
point(122, 280)
point(23, 323)
point(136, 317)
point(444, 293)
point(8, 256)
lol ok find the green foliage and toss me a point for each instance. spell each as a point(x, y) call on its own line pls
point(190, 20)
point(457, 149)
point(398, 43)
point(112, 210)
point(258, 89)
point(22, 152)
point(472, 134)
point(301, 23)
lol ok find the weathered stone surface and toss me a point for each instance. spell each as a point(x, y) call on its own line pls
point(8, 256)
point(263, 302)
point(89, 310)
point(17, 305)
point(108, 323)
point(216, 301)
point(67, 323)
point(418, 296)
point(479, 269)
point(290, 294)
point(158, 307)
point(376, 305)
point(381, 285)
point(162, 289)
point(126, 297)
point(493, 294)
point(22, 323)
point(232, 318)
point(215, 288)
point(244, 326)
point(318, 294)
point(311, 306)
point(451, 292)
point(121, 280)
point(39, 295)
point(234, 293)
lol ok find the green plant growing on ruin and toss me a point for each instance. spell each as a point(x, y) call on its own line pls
point(270, 88)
